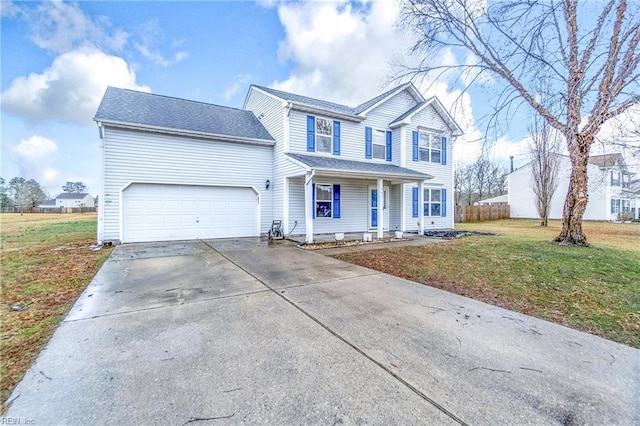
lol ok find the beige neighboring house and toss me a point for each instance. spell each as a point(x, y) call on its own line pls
point(74, 200)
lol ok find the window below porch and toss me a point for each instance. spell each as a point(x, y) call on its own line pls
point(326, 200)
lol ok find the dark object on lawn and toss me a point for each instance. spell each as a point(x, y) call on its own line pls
point(453, 234)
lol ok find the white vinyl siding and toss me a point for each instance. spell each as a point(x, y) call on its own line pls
point(134, 156)
point(522, 199)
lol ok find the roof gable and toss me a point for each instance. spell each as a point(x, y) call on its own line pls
point(129, 107)
point(439, 108)
point(607, 160)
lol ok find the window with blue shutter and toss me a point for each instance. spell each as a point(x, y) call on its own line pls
point(336, 201)
point(415, 202)
point(444, 200)
point(368, 144)
point(443, 156)
point(389, 145)
point(415, 147)
point(336, 138)
point(311, 133)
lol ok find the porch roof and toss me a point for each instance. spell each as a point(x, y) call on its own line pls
point(361, 169)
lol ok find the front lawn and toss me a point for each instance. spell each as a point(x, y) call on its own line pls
point(46, 264)
point(594, 289)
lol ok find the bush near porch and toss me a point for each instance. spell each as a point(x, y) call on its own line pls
point(596, 289)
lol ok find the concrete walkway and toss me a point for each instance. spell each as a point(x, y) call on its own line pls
point(237, 332)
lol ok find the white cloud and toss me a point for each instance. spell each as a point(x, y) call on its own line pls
point(239, 82)
point(150, 35)
point(36, 157)
point(341, 51)
point(70, 90)
point(8, 9)
point(60, 27)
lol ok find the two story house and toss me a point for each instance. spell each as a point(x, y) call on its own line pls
point(609, 188)
point(177, 169)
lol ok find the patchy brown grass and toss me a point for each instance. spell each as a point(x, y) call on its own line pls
point(46, 264)
point(594, 289)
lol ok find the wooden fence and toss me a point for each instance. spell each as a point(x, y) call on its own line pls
point(481, 213)
point(49, 210)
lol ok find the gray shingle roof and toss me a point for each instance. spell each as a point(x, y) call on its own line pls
point(305, 100)
point(71, 196)
point(411, 111)
point(339, 165)
point(146, 109)
point(371, 102)
point(605, 160)
point(51, 203)
point(331, 106)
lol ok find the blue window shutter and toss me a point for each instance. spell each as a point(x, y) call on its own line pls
point(444, 203)
point(415, 148)
point(368, 148)
point(389, 145)
point(336, 138)
point(374, 208)
point(336, 201)
point(415, 201)
point(443, 156)
point(313, 197)
point(311, 133)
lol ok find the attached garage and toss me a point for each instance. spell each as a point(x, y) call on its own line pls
point(157, 212)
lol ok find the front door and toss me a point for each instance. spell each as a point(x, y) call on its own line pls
point(378, 208)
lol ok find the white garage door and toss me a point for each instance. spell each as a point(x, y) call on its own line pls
point(153, 212)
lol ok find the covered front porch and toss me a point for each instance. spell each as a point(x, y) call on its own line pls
point(350, 197)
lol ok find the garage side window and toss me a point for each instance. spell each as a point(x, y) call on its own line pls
point(324, 200)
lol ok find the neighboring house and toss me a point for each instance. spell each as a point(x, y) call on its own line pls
point(608, 185)
point(500, 199)
point(48, 204)
point(178, 169)
point(74, 199)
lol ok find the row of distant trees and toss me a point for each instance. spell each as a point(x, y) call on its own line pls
point(479, 180)
point(28, 193)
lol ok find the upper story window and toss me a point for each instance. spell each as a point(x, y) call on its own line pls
point(324, 134)
point(615, 178)
point(626, 181)
point(379, 144)
point(430, 147)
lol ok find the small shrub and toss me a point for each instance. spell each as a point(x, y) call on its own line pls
point(625, 216)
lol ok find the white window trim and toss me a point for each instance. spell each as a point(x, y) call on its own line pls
point(432, 134)
point(427, 200)
point(383, 144)
point(315, 206)
point(330, 136)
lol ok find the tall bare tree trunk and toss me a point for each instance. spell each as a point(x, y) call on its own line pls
point(577, 196)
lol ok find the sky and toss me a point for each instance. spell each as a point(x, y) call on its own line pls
point(57, 58)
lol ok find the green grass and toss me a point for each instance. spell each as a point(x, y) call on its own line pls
point(595, 289)
point(46, 264)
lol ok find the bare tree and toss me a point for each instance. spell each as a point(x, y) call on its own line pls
point(545, 163)
point(589, 54)
point(26, 194)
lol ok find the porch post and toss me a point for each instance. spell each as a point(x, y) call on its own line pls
point(380, 209)
point(308, 207)
point(421, 207)
point(403, 219)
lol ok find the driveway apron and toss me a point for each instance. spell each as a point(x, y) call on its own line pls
point(235, 331)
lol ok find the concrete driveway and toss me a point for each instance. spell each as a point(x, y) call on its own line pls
point(233, 331)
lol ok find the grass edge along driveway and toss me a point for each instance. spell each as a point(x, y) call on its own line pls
point(595, 289)
point(46, 264)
